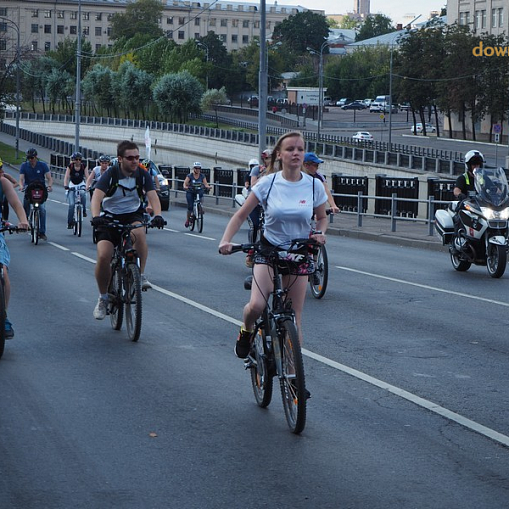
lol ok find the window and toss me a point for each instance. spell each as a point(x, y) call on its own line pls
point(478, 19)
point(74, 15)
point(483, 18)
point(169, 34)
point(224, 22)
point(99, 16)
point(47, 29)
point(257, 24)
point(181, 35)
point(222, 37)
point(196, 35)
point(73, 29)
point(245, 23)
point(169, 20)
point(86, 30)
point(97, 47)
point(268, 25)
point(196, 22)
point(3, 44)
point(33, 46)
point(85, 16)
point(47, 46)
point(35, 13)
point(494, 18)
point(47, 14)
point(60, 29)
point(501, 17)
point(245, 39)
point(108, 33)
point(60, 14)
point(109, 17)
point(212, 22)
point(235, 23)
point(3, 11)
point(235, 38)
point(98, 31)
point(3, 63)
point(3, 27)
point(35, 28)
point(182, 20)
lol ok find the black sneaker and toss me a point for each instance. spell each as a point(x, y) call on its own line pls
point(70, 226)
point(84, 213)
point(42, 236)
point(243, 344)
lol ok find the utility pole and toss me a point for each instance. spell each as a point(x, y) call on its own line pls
point(77, 107)
point(262, 81)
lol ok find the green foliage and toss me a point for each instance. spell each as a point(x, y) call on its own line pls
point(59, 85)
point(373, 26)
point(65, 55)
point(348, 22)
point(302, 30)
point(213, 97)
point(140, 17)
point(98, 88)
point(178, 95)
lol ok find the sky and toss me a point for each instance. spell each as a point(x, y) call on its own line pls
point(397, 10)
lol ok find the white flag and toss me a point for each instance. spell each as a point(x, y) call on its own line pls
point(147, 143)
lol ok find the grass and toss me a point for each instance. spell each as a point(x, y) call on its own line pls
point(8, 154)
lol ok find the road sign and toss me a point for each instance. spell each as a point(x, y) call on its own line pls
point(497, 128)
point(497, 137)
point(382, 116)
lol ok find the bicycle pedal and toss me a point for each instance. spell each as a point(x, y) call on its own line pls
point(248, 363)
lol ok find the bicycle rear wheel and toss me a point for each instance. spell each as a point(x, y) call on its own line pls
point(35, 227)
point(199, 217)
point(318, 281)
point(261, 377)
point(192, 219)
point(115, 303)
point(78, 225)
point(132, 292)
point(293, 384)
point(2, 318)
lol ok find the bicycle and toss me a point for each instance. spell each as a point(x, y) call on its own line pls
point(196, 217)
point(78, 208)
point(4, 227)
point(36, 194)
point(124, 287)
point(276, 350)
point(319, 279)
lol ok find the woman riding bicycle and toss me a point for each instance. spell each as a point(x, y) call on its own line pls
point(289, 198)
point(195, 182)
point(75, 175)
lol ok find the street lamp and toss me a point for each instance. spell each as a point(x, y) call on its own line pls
point(320, 83)
point(262, 80)
point(77, 109)
point(18, 49)
point(203, 45)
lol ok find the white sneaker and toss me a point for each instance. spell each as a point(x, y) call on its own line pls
point(101, 309)
point(145, 283)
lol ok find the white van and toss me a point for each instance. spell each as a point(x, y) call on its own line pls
point(380, 104)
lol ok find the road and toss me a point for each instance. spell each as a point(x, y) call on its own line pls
point(406, 361)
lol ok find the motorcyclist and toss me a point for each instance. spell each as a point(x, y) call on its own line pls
point(465, 182)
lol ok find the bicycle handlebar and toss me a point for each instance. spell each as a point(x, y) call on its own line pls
point(246, 248)
point(9, 227)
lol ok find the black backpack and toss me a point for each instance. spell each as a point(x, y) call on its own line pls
point(115, 177)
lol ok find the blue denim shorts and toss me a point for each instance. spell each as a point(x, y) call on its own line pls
point(5, 255)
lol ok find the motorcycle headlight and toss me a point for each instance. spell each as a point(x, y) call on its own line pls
point(495, 214)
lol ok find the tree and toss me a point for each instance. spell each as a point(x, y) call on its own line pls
point(178, 95)
point(140, 17)
point(348, 22)
point(373, 26)
point(98, 89)
point(59, 86)
point(302, 30)
point(212, 98)
point(65, 55)
point(135, 92)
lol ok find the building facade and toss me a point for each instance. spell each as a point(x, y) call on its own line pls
point(483, 16)
point(44, 23)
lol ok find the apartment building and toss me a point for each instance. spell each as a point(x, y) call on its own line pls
point(44, 23)
point(483, 16)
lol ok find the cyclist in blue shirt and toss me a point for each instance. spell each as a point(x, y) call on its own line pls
point(7, 191)
point(195, 178)
point(34, 170)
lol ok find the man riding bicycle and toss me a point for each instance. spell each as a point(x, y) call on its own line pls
point(120, 193)
point(75, 175)
point(34, 171)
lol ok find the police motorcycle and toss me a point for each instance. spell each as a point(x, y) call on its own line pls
point(480, 235)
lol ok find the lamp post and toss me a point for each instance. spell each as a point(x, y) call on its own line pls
point(320, 84)
point(203, 45)
point(77, 109)
point(18, 107)
point(262, 80)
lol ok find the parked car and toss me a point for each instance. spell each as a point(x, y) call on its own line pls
point(375, 107)
point(362, 136)
point(253, 100)
point(354, 106)
point(385, 108)
point(368, 102)
point(405, 106)
point(418, 128)
point(342, 101)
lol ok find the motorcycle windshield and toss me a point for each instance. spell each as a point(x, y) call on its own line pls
point(491, 186)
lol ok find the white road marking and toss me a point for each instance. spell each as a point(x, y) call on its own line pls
point(199, 236)
point(426, 287)
point(58, 246)
point(424, 403)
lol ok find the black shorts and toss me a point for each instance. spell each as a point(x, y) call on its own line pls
point(112, 234)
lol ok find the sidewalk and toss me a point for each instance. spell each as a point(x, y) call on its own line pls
point(409, 233)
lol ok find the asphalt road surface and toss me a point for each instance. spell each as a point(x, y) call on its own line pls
point(405, 358)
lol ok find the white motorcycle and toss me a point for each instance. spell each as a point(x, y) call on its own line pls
point(476, 228)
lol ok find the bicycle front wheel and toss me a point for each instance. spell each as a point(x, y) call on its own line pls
point(2, 318)
point(132, 292)
point(115, 303)
point(318, 281)
point(261, 378)
point(35, 227)
point(199, 217)
point(78, 221)
point(293, 384)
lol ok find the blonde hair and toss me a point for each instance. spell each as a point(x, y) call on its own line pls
point(275, 164)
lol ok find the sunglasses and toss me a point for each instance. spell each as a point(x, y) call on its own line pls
point(31, 157)
point(131, 158)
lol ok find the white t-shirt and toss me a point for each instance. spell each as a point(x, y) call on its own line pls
point(289, 208)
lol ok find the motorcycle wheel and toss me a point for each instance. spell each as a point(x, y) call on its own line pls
point(496, 260)
point(459, 264)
